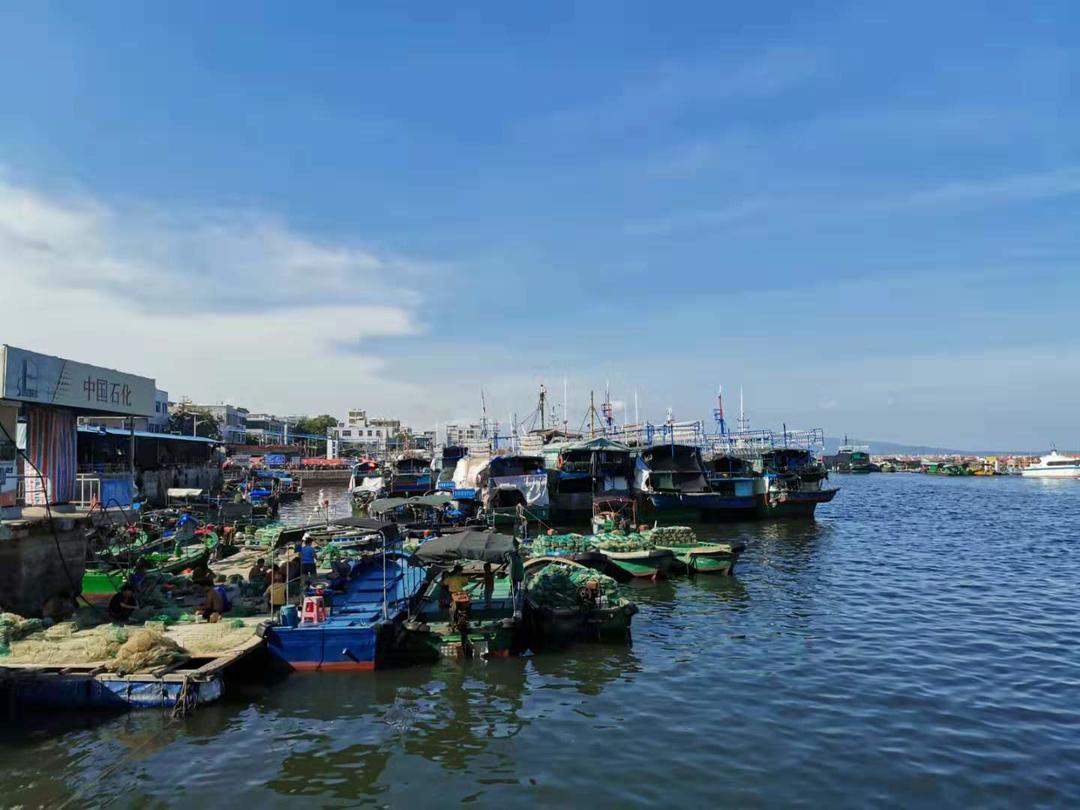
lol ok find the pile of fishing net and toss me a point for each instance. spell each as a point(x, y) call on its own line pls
point(557, 585)
point(66, 643)
point(14, 627)
point(622, 543)
point(265, 536)
point(555, 544)
point(672, 536)
point(145, 649)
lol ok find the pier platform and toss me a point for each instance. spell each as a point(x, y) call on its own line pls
point(196, 680)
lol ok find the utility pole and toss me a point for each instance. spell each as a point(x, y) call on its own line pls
point(592, 415)
point(543, 406)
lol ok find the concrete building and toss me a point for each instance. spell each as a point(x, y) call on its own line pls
point(231, 419)
point(462, 435)
point(362, 434)
point(267, 428)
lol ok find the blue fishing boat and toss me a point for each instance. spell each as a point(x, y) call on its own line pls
point(364, 621)
point(670, 483)
point(409, 474)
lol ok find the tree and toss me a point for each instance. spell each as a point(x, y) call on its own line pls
point(205, 424)
point(315, 425)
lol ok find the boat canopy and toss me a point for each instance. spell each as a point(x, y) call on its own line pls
point(386, 505)
point(385, 527)
point(436, 499)
point(470, 544)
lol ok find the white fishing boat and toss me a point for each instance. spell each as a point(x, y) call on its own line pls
point(1054, 465)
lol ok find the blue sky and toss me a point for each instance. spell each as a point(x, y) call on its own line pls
point(867, 217)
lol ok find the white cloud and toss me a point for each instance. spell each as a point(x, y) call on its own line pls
point(217, 306)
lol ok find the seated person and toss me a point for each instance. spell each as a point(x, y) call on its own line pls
point(123, 604)
point(201, 573)
point(276, 592)
point(217, 601)
point(258, 571)
point(137, 580)
point(339, 577)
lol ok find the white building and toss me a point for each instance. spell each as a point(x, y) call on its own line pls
point(462, 435)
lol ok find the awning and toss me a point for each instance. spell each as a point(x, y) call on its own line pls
point(386, 505)
point(471, 544)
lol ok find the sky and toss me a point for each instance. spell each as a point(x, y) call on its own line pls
point(867, 216)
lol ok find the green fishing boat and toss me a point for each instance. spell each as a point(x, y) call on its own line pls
point(652, 563)
point(568, 601)
point(705, 558)
point(100, 584)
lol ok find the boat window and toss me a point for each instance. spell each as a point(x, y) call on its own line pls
point(1072, 462)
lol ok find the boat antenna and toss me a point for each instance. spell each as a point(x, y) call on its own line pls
point(721, 425)
point(542, 405)
point(565, 405)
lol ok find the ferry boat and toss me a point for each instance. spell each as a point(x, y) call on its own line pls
point(1054, 465)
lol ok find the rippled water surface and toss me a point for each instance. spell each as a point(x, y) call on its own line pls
point(916, 645)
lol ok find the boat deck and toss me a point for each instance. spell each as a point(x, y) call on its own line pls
point(198, 679)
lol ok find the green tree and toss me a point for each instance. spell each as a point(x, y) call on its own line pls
point(205, 423)
point(315, 425)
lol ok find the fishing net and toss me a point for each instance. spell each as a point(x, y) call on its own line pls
point(557, 585)
point(673, 536)
point(265, 536)
point(621, 543)
point(72, 646)
point(146, 649)
point(549, 544)
point(14, 627)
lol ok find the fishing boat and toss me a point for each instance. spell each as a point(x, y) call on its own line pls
point(512, 487)
point(795, 483)
point(740, 486)
point(445, 464)
point(693, 556)
point(1053, 465)
point(409, 474)
point(851, 459)
point(580, 472)
point(361, 627)
point(628, 562)
point(366, 483)
point(670, 484)
point(567, 601)
point(466, 626)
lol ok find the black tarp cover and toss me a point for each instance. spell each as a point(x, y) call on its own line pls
point(471, 544)
point(386, 527)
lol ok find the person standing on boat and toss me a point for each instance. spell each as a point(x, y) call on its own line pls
point(307, 559)
point(489, 584)
point(517, 574)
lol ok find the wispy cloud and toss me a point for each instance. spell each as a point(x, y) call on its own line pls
point(216, 305)
point(673, 87)
point(695, 220)
point(1061, 182)
point(216, 260)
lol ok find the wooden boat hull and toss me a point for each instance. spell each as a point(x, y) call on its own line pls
point(705, 558)
point(652, 564)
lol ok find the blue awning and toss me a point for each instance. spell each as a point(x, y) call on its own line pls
point(145, 434)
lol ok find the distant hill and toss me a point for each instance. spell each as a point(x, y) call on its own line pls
point(886, 448)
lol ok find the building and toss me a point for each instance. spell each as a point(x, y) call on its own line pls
point(362, 434)
point(157, 423)
point(266, 428)
point(462, 435)
point(231, 419)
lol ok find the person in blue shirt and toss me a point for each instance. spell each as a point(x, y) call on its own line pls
point(307, 559)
